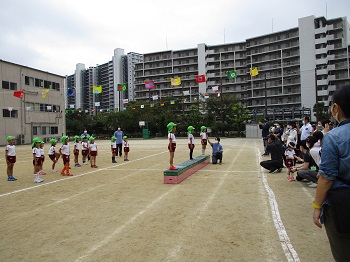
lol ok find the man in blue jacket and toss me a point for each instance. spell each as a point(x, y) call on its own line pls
point(119, 135)
point(265, 131)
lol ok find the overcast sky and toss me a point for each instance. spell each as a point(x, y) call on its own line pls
point(55, 35)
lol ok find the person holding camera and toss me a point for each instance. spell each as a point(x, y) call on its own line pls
point(265, 131)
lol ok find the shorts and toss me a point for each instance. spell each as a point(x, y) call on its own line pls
point(204, 142)
point(42, 159)
point(52, 157)
point(172, 147)
point(93, 153)
point(11, 159)
point(126, 149)
point(289, 163)
point(66, 159)
point(76, 152)
point(84, 152)
point(114, 150)
point(190, 146)
point(38, 161)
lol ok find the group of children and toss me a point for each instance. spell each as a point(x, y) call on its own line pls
point(87, 146)
point(204, 141)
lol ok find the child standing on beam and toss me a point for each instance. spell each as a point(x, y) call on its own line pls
point(190, 140)
point(204, 138)
point(172, 143)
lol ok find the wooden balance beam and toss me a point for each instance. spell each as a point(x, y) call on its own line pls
point(185, 169)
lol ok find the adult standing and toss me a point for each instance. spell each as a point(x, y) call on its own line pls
point(84, 134)
point(332, 201)
point(119, 135)
point(306, 130)
point(265, 130)
point(275, 147)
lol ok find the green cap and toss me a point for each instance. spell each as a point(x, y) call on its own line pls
point(52, 141)
point(75, 138)
point(203, 127)
point(125, 137)
point(91, 138)
point(42, 142)
point(9, 138)
point(113, 138)
point(189, 129)
point(170, 126)
point(36, 140)
point(63, 139)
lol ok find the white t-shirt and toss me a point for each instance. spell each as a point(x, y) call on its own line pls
point(126, 143)
point(114, 144)
point(204, 135)
point(11, 150)
point(293, 136)
point(37, 152)
point(65, 150)
point(77, 145)
point(189, 139)
point(172, 136)
point(315, 153)
point(289, 153)
point(84, 145)
point(93, 147)
point(42, 152)
point(51, 150)
point(305, 131)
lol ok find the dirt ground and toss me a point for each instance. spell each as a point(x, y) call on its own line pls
point(124, 211)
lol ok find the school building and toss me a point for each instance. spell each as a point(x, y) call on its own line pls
point(31, 102)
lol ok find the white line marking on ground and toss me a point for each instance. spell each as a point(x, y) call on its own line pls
point(287, 246)
point(308, 193)
point(173, 253)
point(107, 239)
point(73, 177)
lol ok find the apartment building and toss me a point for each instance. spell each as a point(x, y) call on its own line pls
point(32, 102)
point(297, 68)
point(119, 70)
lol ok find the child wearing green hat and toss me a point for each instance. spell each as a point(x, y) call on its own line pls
point(84, 149)
point(65, 153)
point(42, 153)
point(204, 138)
point(76, 151)
point(10, 156)
point(190, 140)
point(172, 143)
point(114, 148)
point(92, 151)
point(53, 155)
point(126, 148)
point(36, 159)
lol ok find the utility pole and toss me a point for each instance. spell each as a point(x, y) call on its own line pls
point(265, 97)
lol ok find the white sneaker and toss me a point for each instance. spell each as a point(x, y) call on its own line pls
point(85, 163)
point(53, 171)
point(312, 185)
point(38, 180)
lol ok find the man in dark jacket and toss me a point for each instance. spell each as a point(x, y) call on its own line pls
point(274, 146)
point(265, 131)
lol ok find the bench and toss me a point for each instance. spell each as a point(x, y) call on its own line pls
point(185, 169)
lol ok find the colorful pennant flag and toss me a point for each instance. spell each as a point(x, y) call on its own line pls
point(142, 106)
point(161, 103)
point(217, 94)
point(172, 102)
point(71, 92)
point(124, 108)
point(155, 97)
point(86, 111)
point(215, 88)
point(151, 105)
point(254, 71)
point(175, 81)
point(44, 93)
point(133, 107)
point(206, 96)
point(122, 87)
point(231, 74)
point(97, 103)
point(18, 94)
point(71, 106)
point(97, 89)
point(183, 100)
point(125, 101)
point(149, 84)
point(200, 79)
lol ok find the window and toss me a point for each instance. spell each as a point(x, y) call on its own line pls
point(43, 130)
point(9, 85)
point(10, 114)
point(54, 130)
point(35, 130)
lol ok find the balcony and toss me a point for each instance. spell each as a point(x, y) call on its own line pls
point(322, 82)
point(322, 40)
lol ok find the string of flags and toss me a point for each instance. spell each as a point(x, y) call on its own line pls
point(97, 89)
point(122, 87)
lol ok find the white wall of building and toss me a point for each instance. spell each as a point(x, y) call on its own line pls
point(118, 75)
point(202, 66)
point(79, 85)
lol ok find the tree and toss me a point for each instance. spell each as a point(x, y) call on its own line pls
point(321, 111)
